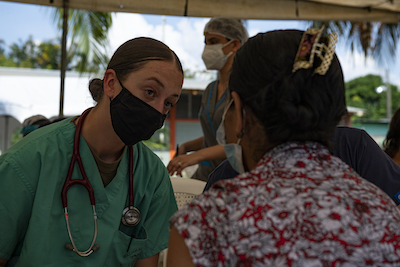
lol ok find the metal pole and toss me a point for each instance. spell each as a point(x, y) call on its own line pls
point(190, 103)
point(63, 56)
point(388, 97)
point(6, 127)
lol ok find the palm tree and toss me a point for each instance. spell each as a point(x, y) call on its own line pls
point(90, 28)
point(375, 39)
point(89, 37)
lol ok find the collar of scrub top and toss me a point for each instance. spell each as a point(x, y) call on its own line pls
point(130, 216)
point(216, 106)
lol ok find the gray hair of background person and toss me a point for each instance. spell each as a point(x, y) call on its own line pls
point(227, 27)
point(299, 106)
point(33, 123)
point(132, 56)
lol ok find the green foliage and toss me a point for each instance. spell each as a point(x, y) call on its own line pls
point(86, 52)
point(28, 54)
point(159, 140)
point(48, 55)
point(24, 53)
point(4, 59)
point(89, 34)
point(16, 135)
point(372, 38)
point(361, 93)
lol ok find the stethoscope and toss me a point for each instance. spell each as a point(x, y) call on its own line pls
point(130, 215)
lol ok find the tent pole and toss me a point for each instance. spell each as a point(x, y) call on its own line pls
point(63, 56)
point(6, 127)
point(388, 97)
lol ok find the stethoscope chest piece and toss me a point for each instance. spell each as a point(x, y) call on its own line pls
point(131, 216)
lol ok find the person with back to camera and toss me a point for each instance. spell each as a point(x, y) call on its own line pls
point(33, 123)
point(85, 191)
point(223, 37)
point(296, 204)
point(391, 144)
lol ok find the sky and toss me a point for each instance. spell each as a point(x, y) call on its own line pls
point(184, 35)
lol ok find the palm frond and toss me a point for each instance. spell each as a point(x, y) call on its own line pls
point(375, 39)
point(89, 30)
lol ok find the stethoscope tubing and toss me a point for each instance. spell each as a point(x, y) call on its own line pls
point(76, 157)
point(91, 249)
point(127, 213)
point(131, 197)
point(84, 182)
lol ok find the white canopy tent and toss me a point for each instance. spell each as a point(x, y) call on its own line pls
point(353, 10)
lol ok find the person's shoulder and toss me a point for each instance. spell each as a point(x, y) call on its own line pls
point(147, 157)
point(211, 85)
point(354, 138)
point(349, 132)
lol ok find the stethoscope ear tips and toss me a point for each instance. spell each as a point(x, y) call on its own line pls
point(96, 247)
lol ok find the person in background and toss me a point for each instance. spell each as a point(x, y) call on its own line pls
point(391, 144)
point(119, 215)
point(296, 204)
point(33, 123)
point(222, 37)
point(356, 148)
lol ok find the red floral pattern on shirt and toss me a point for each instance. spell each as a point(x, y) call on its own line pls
point(299, 207)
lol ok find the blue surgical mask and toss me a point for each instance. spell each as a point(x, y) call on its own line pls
point(233, 151)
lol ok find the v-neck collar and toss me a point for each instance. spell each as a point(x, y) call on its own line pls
point(104, 196)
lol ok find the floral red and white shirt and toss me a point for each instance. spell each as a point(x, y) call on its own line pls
point(299, 207)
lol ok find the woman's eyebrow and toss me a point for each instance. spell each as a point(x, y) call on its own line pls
point(156, 80)
point(212, 39)
point(160, 84)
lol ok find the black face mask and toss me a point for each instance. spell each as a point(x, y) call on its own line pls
point(133, 119)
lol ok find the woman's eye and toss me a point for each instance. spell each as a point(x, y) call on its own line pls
point(169, 104)
point(150, 92)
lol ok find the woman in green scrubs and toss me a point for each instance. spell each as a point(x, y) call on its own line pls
point(142, 82)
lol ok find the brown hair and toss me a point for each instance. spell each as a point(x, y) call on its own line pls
point(131, 56)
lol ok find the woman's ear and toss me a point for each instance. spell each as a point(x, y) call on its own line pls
point(236, 45)
point(239, 129)
point(111, 84)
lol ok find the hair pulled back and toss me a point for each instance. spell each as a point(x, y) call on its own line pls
point(131, 56)
point(391, 144)
point(299, 106)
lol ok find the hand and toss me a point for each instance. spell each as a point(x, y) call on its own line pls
point(178, 163)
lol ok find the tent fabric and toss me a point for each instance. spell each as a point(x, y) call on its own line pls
point(353, 10)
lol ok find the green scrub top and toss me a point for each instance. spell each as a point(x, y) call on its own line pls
point(33, 230)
